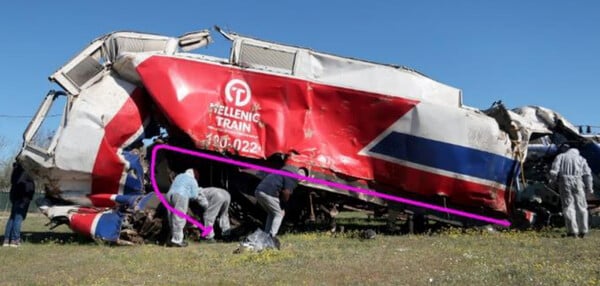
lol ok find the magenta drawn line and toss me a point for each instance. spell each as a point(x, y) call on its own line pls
point(316, 181)
point(205, 229)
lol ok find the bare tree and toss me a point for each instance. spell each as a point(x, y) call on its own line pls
point(3, 144)
point(5, 164)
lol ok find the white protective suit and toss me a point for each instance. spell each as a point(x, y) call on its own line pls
point(216, 204)
point(183, 188)
point(573, 176)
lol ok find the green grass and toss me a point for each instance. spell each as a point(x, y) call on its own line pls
point(452, 257)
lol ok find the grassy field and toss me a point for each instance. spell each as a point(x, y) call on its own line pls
point(452, 257)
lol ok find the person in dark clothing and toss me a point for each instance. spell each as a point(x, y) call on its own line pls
point(21, 193)
point(273, 194)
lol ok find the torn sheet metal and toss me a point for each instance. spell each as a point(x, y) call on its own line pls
point(135, 219)
point(88, 157)
point(388, 139)
point(386, 128)
point(539, 118)
point(339, 71)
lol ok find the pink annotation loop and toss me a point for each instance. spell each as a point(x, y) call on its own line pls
point(207, 229)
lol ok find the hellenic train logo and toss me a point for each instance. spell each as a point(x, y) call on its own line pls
point(238, 92)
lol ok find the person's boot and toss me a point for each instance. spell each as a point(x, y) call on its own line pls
point(173, 244)
point(581, 235)
point(209, 240)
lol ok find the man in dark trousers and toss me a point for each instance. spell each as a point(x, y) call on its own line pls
point(21, 193)
point(272, 194)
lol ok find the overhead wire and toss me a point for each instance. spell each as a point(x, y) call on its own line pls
point(25, 116)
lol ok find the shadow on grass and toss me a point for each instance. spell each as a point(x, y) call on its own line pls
point(342, 226)
point(47, 237)
point(380, 226)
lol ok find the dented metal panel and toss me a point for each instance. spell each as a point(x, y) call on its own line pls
point(88, 157)
point(461, 153)
point(376, 126)
point(341, 71)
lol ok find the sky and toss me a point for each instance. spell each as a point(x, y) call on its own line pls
point(543, 53)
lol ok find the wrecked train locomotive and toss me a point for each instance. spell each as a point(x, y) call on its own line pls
point(385, 128)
